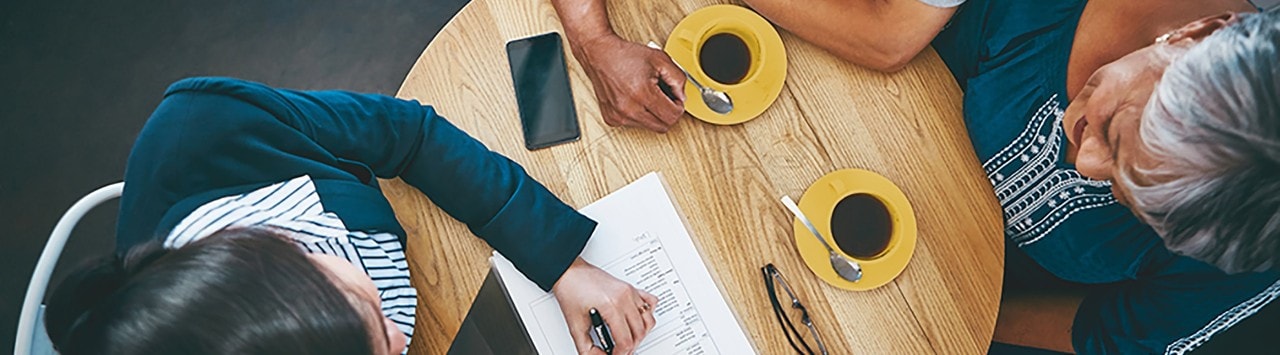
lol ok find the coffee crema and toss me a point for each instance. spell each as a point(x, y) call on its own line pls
point(861, 226)
point(725, 58)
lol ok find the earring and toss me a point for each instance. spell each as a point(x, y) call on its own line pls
point(1164, 38)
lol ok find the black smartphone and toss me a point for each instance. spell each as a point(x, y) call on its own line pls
point(542, 90)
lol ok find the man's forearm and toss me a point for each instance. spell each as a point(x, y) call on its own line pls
point(583, 20)
point(1039, 320)
point(879, 34)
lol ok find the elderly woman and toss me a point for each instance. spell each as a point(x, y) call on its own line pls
point(1201, 167)
point(1187, 129)
point(1202, 164)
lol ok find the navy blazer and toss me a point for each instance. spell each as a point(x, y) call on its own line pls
point(216, 137)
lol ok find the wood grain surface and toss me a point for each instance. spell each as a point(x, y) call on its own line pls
point(726, 179)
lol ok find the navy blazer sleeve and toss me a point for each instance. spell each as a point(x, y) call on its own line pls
point(491, 194)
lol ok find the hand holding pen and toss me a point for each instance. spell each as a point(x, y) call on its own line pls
point(600, 336)
point(623, 310)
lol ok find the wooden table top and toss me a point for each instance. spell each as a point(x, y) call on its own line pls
point(831, 115)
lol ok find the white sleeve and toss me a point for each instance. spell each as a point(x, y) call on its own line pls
point(943, 3)
point(1265, 5)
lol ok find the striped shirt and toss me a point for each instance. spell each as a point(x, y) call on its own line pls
point(294, 206)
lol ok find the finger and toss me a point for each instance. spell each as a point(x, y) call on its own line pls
point(664, 121)
point(649, 321)
point(608, 111)
point(610, 116)
point(642, 117)
point(656, 108)
point(635, 320)
point(670, 74)
point(662, 109)
point(657, 102)
point(579, 329)
point(652, 302)
point(619, 327)
point(649, 298)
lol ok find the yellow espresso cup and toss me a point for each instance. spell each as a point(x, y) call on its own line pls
point(765, 68)
point(860, 191)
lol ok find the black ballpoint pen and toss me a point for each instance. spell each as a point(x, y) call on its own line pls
point(600, 332)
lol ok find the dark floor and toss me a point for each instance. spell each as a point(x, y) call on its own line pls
point(78, 78)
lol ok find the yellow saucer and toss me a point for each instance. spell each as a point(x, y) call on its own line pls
point(819, 201)
point(757, 90)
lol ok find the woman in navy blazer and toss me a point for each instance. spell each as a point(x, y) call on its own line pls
point(214, 141)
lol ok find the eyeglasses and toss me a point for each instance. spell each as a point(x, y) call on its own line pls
point(773, 279)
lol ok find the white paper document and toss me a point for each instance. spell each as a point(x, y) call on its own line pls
point(642, 240)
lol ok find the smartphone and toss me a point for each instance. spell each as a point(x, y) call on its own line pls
point(542, 90)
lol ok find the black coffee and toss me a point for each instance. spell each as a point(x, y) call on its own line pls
point(861, 226)
point(725, 58)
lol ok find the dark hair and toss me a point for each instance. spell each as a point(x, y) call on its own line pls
point(239, 291)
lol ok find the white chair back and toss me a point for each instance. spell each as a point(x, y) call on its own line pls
point(31, 332)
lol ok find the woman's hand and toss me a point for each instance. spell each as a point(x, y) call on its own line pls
point(627, 310)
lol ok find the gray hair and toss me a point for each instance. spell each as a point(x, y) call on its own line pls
point(1212, 127)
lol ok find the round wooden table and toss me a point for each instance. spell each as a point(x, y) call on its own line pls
point(831, 115)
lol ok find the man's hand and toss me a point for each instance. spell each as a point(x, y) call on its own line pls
point(626, 77)
point(628, 311)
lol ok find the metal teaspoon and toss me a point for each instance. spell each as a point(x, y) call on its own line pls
point(716, 100)
point(847, 269)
